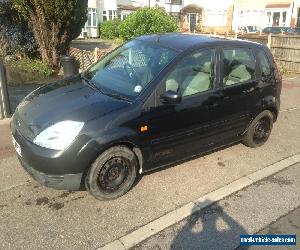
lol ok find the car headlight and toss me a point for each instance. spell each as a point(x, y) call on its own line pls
point(59, 136)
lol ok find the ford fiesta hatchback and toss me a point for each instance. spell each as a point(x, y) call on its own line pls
point(152, 101)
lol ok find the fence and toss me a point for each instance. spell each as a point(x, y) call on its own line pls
point(285, 48)
point(87, 58)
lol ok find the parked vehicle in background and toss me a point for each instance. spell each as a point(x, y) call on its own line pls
point(297, 30)
point(250, 29)
point(278, 30)
point(153, 101)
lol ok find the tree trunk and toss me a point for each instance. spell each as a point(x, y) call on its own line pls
point(46, 38)
point(54, 24)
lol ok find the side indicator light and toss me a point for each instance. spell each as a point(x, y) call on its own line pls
point(144, 128)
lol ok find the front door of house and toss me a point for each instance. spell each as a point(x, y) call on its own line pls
point(193, 21)
point(276, 18)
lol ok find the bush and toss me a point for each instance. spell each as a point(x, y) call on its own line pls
point(147, 21)
point(110, 29)
point(33, 66)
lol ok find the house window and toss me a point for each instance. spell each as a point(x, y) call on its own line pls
point(92, 17)
point(283, 18)
point(298, 18)
point(269, 14)
point(110, 15)
point(174, 2)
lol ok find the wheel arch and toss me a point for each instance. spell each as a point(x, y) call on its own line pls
point(135, 149)
point(274, 111)
point(270, 103)
point(130, 145)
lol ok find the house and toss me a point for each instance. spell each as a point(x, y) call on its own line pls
point(213, 15)
point(295, 20)
point(204, 15)
point(103, 10)
point(265, 13)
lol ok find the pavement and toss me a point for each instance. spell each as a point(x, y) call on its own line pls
point(32, 216)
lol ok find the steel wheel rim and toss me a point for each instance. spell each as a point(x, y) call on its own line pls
point(262, 130)
point(113, 174)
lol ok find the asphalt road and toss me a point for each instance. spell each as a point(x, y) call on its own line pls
point(32, 216)
point(255, 209)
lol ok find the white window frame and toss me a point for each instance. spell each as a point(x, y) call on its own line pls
point(94, 19)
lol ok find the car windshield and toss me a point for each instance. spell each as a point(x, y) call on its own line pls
point(252, 28)
point(126, 71)
point(287, 29)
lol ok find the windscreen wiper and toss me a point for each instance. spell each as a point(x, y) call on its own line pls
point(117, 96)
point(90, 82)
point(94, 85)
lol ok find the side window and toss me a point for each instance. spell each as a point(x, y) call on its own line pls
point(193, 75)
point(238, 66)
point(264, 65)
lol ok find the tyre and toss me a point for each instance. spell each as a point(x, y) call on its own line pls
point(112, 174)
point(259, 130)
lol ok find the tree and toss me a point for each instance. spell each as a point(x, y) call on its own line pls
point(54, 24)
point(146, 21)
point(16, 37)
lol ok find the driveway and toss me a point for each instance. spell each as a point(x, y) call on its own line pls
point(32, 216)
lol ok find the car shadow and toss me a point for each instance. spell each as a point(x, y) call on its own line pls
point(209, 228)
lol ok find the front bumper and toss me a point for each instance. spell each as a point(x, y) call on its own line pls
point(64, 182)
point(56, 169)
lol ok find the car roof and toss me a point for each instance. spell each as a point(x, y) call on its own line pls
point(181, 42)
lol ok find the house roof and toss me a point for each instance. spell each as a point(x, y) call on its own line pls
point(278, 6)
point(126, 7)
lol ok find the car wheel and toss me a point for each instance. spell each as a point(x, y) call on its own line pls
point(112, 174)
point(259, 130)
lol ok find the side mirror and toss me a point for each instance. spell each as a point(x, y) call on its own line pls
point(170, 97)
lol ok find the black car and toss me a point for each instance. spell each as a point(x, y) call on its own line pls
point(153, 101)
point(297, 30)
point(279, 30)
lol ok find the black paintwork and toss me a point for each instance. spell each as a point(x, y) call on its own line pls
point(198, 123)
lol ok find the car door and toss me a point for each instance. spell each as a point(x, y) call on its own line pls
point(180, 130)
point(239, 84)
